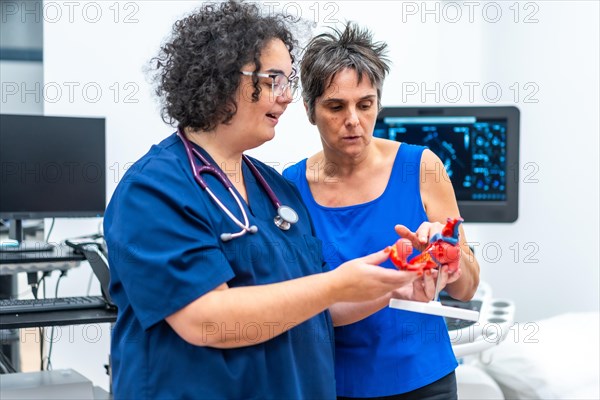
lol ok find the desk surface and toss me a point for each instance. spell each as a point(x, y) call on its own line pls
point(59, 253)
point(61, 258)
point(56, 318)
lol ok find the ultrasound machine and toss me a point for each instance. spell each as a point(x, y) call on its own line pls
point(479, 147)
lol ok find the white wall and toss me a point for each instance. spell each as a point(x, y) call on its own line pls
point(21, 83)
point(554, 61)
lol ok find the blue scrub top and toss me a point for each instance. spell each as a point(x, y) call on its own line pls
point(162, 232)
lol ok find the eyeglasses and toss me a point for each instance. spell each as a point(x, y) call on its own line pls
point(279, 82)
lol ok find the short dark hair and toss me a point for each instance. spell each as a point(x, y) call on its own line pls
point(329, 53)
point(196, 72)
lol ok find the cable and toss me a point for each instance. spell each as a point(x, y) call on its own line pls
point(39, 283)
point(78, 243)
point(43, 280)
point(49, 357)
point(41, 348)
point(78, 246)
point(32, 281)
point(50, 230)
point(24, 293)
point(89, 285)
point(6, 366)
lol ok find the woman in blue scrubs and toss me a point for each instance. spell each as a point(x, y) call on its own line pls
point(238, 316)
point(391, 354)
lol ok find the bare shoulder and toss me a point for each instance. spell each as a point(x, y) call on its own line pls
point(429, 157)
point(387, 149)
point(433, 172)
point(386, 145)
point(437, 192)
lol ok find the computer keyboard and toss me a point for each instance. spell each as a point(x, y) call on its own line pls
point(16, 306)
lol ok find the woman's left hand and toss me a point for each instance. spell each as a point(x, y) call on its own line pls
point(424, 289)
point(420, 238)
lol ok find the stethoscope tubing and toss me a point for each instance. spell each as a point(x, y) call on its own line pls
point(282, 221)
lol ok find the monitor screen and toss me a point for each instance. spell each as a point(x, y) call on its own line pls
point(52, 167)
point(479, 147)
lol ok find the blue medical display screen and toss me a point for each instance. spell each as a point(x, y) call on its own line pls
point(473, 150)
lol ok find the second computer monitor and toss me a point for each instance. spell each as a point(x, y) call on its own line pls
point(479, 147)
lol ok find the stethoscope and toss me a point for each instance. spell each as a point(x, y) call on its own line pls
point(286, 216)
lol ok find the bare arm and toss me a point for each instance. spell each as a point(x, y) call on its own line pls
point(440, 203)
point(237, 317)
point(345, 313)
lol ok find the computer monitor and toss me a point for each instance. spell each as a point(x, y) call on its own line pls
point(479, 147)
point(51, 167)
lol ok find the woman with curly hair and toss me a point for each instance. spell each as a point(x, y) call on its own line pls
point(216, 298)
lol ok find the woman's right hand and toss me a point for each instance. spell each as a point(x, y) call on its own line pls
point(351, 292)
point(362, 279)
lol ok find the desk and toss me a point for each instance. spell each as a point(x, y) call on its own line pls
point(60, 258)
point(57, 318)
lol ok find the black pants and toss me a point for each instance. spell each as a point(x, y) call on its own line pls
point(443, 389)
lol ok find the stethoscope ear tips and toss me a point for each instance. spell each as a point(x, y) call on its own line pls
point(253, 229)
point(226, 237)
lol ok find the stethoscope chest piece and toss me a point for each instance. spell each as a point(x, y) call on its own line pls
point(285, 218)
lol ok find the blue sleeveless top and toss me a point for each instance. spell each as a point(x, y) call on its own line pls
point(391, 351)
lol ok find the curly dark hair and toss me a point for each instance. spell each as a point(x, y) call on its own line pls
point(196, 72)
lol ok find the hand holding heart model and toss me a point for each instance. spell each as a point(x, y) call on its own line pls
point(443, 249)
